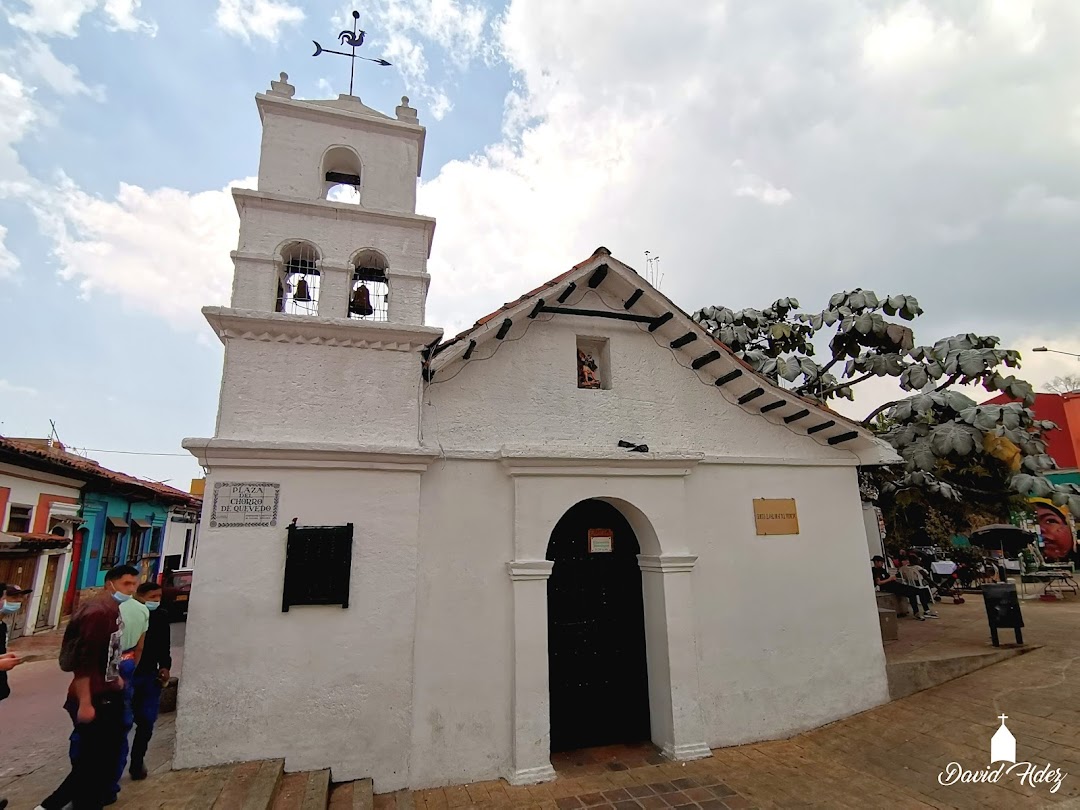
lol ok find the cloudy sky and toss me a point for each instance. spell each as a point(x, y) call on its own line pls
point(761, 148)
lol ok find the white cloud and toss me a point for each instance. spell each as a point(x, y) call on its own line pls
point(1034, 202)
point(625, 135)
point(162, 251)
point(16, 390)
point(911, 37)
point(19, 115)
point(122, 15)
point(9, 262)
point(758, 188)
point(411, 30)
point(62, 17)
point(35, 59)
point(261, 19)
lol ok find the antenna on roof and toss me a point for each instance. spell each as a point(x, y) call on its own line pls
point(652, 270)
point(54, 437)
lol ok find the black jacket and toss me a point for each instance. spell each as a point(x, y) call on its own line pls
point(157, 646)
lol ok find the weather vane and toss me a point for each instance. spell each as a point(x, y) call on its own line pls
point(353, 39)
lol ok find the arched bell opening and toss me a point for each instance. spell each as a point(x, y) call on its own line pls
point(369, 298)
point(342, 174)
point(298, 280)
point(597, 668)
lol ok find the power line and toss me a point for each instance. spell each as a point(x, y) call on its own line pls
point(131, 452)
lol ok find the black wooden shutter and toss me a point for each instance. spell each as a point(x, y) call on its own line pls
point(318, 562)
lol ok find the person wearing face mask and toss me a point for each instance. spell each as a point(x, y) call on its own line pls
point(91, 650)
point(136, 618)
point(10, 602)
point(151, 674)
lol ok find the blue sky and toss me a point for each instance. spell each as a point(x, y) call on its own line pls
point(761, 148)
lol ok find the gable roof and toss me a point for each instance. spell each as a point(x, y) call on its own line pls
point(709, 358)
point(38, 455)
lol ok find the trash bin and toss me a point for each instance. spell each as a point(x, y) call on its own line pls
point(1003, 610)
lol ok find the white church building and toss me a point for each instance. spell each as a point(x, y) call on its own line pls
point(434, 561)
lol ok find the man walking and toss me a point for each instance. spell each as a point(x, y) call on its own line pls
point(136, 618)
point(151, 674)
point(91, 651)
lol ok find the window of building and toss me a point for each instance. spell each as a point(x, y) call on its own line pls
point(155, 540)
point(593, 363)
point(298, 280)
point(110, 548)
point(140, 530)
point(370, 296)
point(19, 518)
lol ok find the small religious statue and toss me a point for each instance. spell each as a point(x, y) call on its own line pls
point(588, 372)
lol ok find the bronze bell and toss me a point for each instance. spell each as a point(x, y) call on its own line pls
point(302, 293)
point(361, 301)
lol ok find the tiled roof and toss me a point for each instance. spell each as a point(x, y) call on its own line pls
point(37, 540)
point(58, 460)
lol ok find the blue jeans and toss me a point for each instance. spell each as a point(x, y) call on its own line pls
point(127, 672)
point(146, 706)
point(93, 750)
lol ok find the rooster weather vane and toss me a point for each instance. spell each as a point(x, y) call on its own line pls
point(352, 40)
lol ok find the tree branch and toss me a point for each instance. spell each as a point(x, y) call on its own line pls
point(951, 381)
point(847, 383)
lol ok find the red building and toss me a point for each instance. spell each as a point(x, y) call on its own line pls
point(1064, 411)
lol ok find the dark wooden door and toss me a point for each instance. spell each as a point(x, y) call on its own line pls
point(45, 603)
point(596, 633)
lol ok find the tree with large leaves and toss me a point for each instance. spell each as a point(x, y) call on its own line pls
point(956, 452)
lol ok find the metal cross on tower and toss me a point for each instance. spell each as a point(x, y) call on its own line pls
point(353, 39)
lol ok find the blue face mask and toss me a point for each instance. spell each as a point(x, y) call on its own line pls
point(10, 607)
point(152, 605)
point(121, 597)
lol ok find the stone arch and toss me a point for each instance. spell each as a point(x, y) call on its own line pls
point(369, 291)
point(298, 277)
point(341, 171)
point(654, 507)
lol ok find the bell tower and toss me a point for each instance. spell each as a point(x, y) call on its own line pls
point(326, 324)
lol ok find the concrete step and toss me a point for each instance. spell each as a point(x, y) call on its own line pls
point(251, 786)
point(308, 790)
point(352, 796)
point(906, 677)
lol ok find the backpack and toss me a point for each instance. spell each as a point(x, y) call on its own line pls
point(68, 648)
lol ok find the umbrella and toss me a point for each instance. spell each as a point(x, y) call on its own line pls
point(1007, 538)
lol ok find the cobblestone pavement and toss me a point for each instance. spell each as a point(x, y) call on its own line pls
point(888, 757)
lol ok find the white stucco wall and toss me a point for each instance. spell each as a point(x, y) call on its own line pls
point(787, 627)
point(316, 393)
point(526, 394)
point(175, 539)
point(321, 686)
point(296, 135)
point(27, 487)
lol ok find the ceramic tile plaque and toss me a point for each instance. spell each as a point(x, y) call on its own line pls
point(244, 504)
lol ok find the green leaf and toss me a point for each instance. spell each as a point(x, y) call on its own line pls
point(914, 378)
point(864, 323)
point(955, 438)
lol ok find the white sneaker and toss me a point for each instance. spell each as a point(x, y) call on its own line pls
point(931, 614)
point(918, 618)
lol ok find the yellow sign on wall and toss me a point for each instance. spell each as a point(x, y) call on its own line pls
point(776, 516)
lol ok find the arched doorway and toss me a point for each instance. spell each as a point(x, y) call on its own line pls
point(597, 670)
